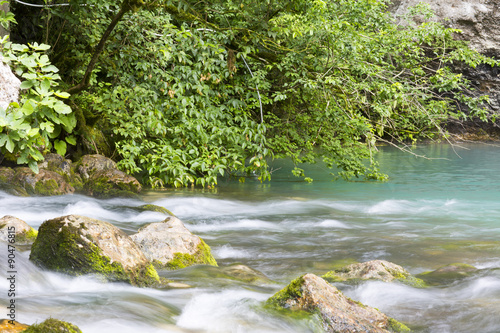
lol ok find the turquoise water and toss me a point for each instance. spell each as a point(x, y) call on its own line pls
point(432, 212)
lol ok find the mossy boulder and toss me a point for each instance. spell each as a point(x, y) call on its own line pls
point(102, 179)
point(44, 183)
point(24, 234)
point(7, 184)
point(169, 244)
point(373, 270)
point(12, 326)
point(78, 245)
point(337, 313)
point(448, 274)
point(22, 181)
point(56, 163)
point(52, 325)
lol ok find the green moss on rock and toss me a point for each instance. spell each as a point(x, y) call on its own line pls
point(397, 327)
point(291, 291)
point(154, 208)
point(53, 326)
point(48, 187)
point(27, 237)
point(203, 255)
point(62, 248)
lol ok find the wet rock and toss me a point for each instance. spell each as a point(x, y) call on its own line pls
point(45, 183)
point(375, 269)
point(12, 326)
point(58, 164)
point(337, 313)
point(53, 326)
point(448, 274)
point(9, 85)
point(154, 208)
point(79, 245)
point(169, 244)
point(245, 274)
point(103, 180)
point(8, 185)
point(24, 234)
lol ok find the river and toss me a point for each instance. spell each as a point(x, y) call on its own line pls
point(432, 212)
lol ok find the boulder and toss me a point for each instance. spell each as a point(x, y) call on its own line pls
point(102, 179)
point(57, 163)
point(9, 85)
point(245, 274)
point(53, 326)
point(169, 244)
point(337, 312)
point(45, 183)
point(12, 326)
point(375, 269)
point(24, 234)
point(448, 274)
point(8, 185)
point(79, 245)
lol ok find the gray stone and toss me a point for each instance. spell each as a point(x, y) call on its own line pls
point(79, 245)
point(24, 234)
point(169, 244)
point(337, 312)
point(9, 85)
point(102, 179)
point(373, 270)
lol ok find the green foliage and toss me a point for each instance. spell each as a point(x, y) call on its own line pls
point(6, 18)
point(35, 124)
point(333, 77)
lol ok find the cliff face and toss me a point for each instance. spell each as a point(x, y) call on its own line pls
point(479, 21)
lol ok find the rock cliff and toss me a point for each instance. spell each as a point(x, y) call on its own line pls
point(479, 22)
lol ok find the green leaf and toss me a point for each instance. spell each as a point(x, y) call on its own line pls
point(10, 145)
point(62, 108)
point(71, 140)
point(61, 94)
point(33, 165)
point(60, 147)
point(27, 84)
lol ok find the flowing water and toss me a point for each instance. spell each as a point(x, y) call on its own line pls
point(431, 213)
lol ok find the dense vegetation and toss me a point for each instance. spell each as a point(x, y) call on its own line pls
point(187, 91)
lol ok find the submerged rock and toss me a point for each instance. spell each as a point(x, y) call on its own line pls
point(24, 234)
point(245, 274)
point(53, 326)
point(448, 274)
point(338, 313)
point(12, 326)
point(154, 208)
point(79, 245)
point(375, 269)
point(102, 179)
point(169, 244)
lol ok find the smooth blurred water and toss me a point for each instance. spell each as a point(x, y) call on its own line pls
point(431, 212)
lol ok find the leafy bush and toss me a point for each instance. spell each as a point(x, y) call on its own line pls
point(35, 124)
point(331, 78)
